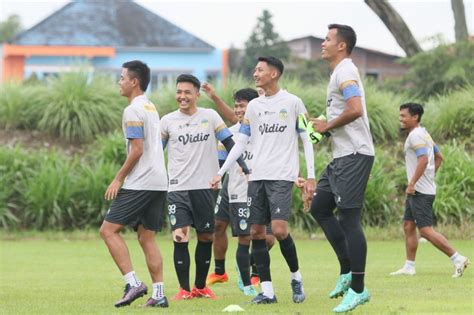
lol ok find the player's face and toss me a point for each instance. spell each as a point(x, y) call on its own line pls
point(264, 74)
point(126, 83)
point(330, 46)
point(186, 95)
point(407, 121)
point(240, 107)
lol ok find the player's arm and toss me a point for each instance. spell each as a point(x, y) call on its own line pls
point(422, 163)
point(353, 110)
point(223, 109)
point(229, 144)
point(221, 154)
point(310, 184)
point(136, 151)
point(438, 157)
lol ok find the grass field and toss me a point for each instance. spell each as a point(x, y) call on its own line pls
point(51, 275)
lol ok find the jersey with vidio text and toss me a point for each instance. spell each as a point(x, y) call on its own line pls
point(141, 121)
point(272, 124)
point(192, 147)
point(354, 137)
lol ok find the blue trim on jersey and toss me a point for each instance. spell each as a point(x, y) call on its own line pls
point(223, 134)
point(351, 91)
point(245, 129)
point(164, 142)
point(421, 151)
point(135, 132)
point(436, 149)
point(222, 155)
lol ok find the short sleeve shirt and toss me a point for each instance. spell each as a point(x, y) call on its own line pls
point(354, 137)
point(419, 142)
point(141, 121)
point(272, 124)
point(192, 147)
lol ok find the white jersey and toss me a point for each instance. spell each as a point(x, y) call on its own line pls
point(192, 147)
point(272, 124)
point(419, 142)
point(141, 121)
point(354, 137)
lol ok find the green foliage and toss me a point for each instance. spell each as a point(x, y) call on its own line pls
point(109, 148)
point(78, 107)
point(451, 116)
point(10, 27)
point(263, 41)
point(309, 71)
point(439, 71)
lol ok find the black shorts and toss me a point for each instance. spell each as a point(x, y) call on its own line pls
point(221, 210)
point(269, 200)
point(419, 209)
point(346, 178)
point(135, 207)
point(192, 208)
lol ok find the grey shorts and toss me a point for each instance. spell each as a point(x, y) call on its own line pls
point(192, 208)
point(269, 200)
point(135, 207)
point(419, 209)
point(346, 178)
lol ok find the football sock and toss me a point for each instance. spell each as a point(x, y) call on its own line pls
point(132, 279)
point(202, 256)
point(262, 259)
point(181, 264)
point(243, 262)
point(288, 250)
point(219, 266)
point(158, 290)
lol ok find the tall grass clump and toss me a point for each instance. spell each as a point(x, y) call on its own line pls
point(78, 107)
point(108, 148)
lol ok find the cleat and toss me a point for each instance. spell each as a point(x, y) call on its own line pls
point(351, 300)
point(404, 272)
point(182, 295)
point(163, 302)
point(343, 284)
point(460, 266)
point(240, 283)
point(298, 291)
point(263, 299)
point(205, 292)
point(131, 294)
point(255, 280)
point(214, 278)
point(250, 291)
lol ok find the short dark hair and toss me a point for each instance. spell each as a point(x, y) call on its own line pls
point(274, 62)
point(413, 109)
point(140, 71)
point(346, 34)
point(246, 94)
point(190, 79)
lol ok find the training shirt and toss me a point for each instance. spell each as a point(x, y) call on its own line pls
point(354, 137)
point(238, 184)
point(272, 124)
point(140, 120)
point(192, 147)
point(418, 143)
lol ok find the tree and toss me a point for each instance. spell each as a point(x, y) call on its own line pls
point(9, 28)
point(460, 26)
point(263, 41)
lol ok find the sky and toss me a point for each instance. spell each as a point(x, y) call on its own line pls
point(227, 23)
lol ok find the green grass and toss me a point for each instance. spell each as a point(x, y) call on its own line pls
point(42, 274)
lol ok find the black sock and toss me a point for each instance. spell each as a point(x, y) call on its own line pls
point(219, 266)
point(254, 271)
point(202, 257)
point(345, 264)
point(181, 264)
point(243, 262)
point(288, 250)
point(262, 259)
point(357, 283)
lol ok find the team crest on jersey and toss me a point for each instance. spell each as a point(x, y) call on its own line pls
point(283, 114)
point(243, 224)
point(172, 219)
point(204, 123)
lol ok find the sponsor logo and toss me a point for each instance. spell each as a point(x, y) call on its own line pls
point(234, 196)
point(278, 210)
point(207, 225)
point(267, 128)
point(204, 123)
point(247, 155)
point(174, 181)
point(172, 219)
point(243, 224)
point(189, 138)
point(329, 102)
point(283, 114)
point(149, 107)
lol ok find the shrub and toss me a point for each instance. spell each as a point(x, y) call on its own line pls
point(108, 148)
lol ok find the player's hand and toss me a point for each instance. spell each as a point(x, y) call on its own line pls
point(208, 89)
point(309, 189)
point(112, 190)
point(410, 189)
point(215, 182)
point(319, 125)
point(299, 182)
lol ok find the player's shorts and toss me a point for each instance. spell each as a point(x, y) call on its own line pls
point(419, 209)
point(221, 210)
point(346, 178)
point(135, 207)
point(269, 200)
point(192, 208)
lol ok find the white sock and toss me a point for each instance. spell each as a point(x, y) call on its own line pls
point(132, 279)
point(267, 289)
point(409, 264)
point(457, 257)
point(158, 290)
point(296, 276)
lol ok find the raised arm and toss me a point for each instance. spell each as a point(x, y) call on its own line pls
point(223, 109)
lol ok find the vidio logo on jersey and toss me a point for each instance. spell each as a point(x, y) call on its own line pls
point(189, 138)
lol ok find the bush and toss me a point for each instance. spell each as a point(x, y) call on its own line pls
point(108, 148)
